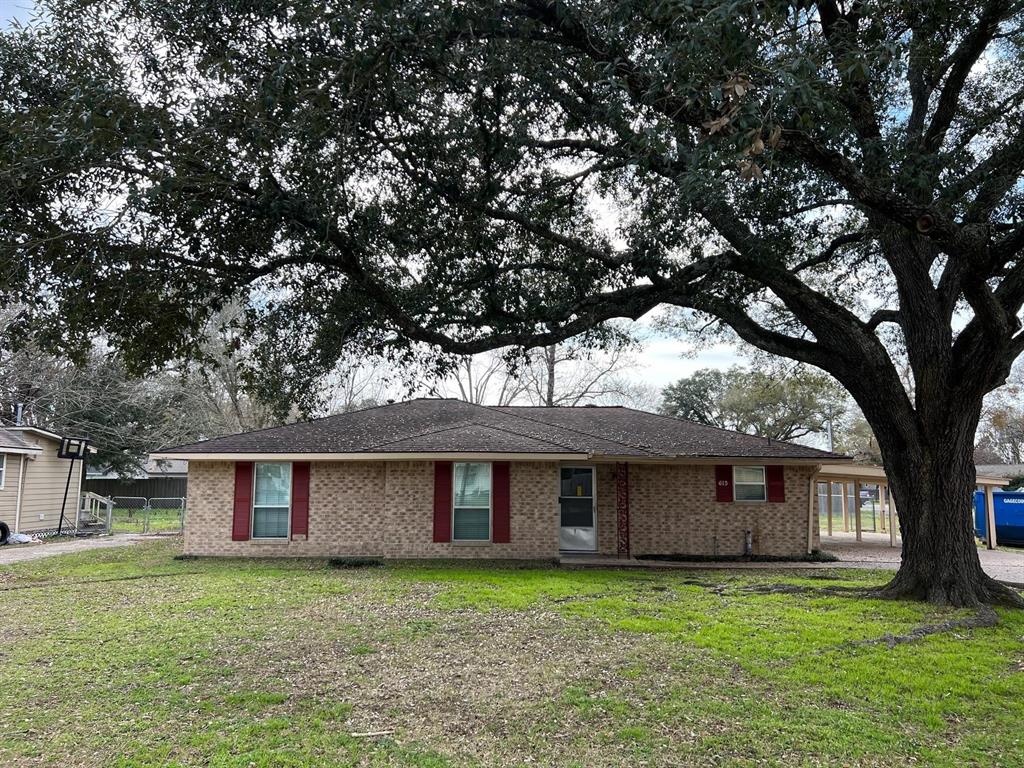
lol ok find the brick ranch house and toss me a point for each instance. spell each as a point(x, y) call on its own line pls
point(435, 478)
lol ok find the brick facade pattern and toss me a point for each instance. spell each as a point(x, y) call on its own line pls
point(374, 509)
point(385, 509)
point(673, 511)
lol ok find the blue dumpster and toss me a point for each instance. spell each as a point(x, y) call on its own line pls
point(1009, 509)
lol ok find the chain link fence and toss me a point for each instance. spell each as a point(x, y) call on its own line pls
point(138, 514)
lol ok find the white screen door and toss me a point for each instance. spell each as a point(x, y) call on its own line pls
point(578, 529)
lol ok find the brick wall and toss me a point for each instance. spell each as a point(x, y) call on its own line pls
point(344, 500)
point(381, 509)
point(673, 511)
point(607, 530)
point(385, 509)
point(533, 513)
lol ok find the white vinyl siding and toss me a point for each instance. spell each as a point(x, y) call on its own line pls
point(471, 497)
point(271, 501)
point(749, 484)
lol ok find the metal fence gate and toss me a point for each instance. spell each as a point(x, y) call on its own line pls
point(138, 514)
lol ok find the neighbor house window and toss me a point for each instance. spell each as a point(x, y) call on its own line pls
point(471, 517)
point(748, 484)
point(3, 470)
point(271, 501)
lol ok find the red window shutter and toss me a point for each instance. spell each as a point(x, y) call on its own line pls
point(774, 477)
point(501, 531)
point(723, 482)
point(300, 498)
point(442, 501)
point(243, 501)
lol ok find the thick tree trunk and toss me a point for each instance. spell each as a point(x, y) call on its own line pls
point(927, 437)
point(933, 485)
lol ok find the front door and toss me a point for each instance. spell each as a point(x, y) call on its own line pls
point(578, 531)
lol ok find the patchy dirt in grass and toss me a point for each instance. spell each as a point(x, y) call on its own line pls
point(490, 686)
point(263, 664)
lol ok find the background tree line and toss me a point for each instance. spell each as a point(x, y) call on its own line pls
point(128, 416)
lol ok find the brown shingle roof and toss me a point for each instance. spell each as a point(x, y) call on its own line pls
point(452, 426)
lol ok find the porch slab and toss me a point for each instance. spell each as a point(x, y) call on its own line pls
point(872, 552)
point(613, 561)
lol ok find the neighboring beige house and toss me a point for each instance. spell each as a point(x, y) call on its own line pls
point(443, 478)
point(33, 479)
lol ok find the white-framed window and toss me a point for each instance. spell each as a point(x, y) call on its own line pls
point(3, 470)
point(271, 500)
point(471, 501)
point(748, 484)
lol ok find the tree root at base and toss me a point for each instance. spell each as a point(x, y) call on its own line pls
point(987, 591)
point(985, 617)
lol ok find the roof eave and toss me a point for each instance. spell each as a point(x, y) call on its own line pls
point(370, 456)
point(871, 473)
point(798, 460)
point(47, 434)
point(483, 456)
point(21, 449)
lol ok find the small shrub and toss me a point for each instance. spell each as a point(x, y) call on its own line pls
point(821, 556)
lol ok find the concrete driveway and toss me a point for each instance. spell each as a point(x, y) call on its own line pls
point(17, 553)
point(873, 551)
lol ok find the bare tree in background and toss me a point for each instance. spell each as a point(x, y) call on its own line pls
point(124, 417)
point(484, 379)
point(220, 380)
point(354, 387)
point(560, 375)
point(1001, 432)
point(556, 375)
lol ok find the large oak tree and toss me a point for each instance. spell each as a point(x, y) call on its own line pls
point(836, 182)
point(777, 405)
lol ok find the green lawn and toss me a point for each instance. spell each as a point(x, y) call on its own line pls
point(126, 657)
point(871, 519)
point(146, 521)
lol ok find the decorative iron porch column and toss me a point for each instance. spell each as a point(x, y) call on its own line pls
point(622, 508)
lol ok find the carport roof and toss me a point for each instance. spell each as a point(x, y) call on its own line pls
point(443, 426)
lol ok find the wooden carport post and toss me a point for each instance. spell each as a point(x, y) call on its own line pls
point(990, 518)
point(856, 507)
point(846, 507)
point(881, 507)
point(831, 498)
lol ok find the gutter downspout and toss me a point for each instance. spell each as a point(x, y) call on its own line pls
point(812, 492)
point(17, 503)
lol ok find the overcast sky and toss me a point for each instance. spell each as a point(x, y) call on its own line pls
point(664, 359)
point(15, 9)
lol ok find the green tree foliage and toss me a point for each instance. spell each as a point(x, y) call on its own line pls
point(757, 402)
point(854, 437)
point(833, 182)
